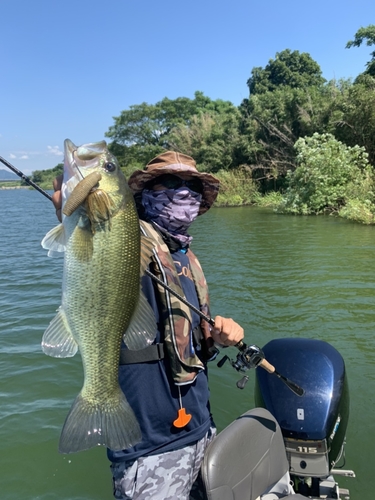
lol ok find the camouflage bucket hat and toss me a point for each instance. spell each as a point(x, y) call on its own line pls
point(177, 164)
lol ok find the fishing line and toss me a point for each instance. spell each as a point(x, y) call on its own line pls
point(77, 167)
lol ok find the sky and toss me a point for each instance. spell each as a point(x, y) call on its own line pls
point(68, 67)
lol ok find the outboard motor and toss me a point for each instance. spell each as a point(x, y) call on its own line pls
point(314, 424)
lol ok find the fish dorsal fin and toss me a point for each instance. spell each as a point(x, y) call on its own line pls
point(58, 340)
point(55, 241)
point(147, 250)
point(142, 329)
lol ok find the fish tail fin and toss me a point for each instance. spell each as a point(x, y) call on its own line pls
point(89, 423)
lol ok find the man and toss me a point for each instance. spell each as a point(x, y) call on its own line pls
point(166, 384)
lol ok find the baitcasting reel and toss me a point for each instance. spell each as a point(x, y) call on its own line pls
point(248, 357)
point(252, 356)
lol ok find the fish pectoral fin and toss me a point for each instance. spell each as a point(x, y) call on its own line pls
point(147, 250)
point(142, 329)
point(55, 241)
point(58, 340)
point(82, 243)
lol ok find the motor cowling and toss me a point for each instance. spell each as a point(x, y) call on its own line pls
point(313, 425)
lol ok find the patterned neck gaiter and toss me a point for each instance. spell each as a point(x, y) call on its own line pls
point(173, 210)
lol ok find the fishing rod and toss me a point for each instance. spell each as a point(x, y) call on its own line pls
point(248, 356)
point(25, 178)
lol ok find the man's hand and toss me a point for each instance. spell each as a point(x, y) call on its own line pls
point(226, 331)
point(56, 197)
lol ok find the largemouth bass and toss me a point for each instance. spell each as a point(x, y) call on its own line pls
point(101, 295)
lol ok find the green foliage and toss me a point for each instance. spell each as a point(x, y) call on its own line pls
point(288, 100)
point(10, 184)
point(133, 157)
point(45, 177)
point(356, 126)
point(210, 138)
point(367, 34)
point(143, 131)
point(329, 174)
point(271, 199)
point(273, 121)
point(236, 188)
point(358, 211)
point(291, 69)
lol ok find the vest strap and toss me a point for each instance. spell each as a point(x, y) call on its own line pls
point(153, 352)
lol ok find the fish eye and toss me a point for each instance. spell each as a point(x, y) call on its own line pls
point(109, 167)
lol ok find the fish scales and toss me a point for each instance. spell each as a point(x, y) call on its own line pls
point(101, 296)
point(87, 292)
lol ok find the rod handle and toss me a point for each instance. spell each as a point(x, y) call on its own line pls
point(267, 366)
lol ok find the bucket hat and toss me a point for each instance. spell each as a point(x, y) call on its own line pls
point(181, 165)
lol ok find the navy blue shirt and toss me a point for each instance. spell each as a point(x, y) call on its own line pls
point(152, 394)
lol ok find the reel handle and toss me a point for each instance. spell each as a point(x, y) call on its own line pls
point(241, 346)
point(241, 383)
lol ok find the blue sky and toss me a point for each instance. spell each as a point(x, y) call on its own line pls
point(68, 67)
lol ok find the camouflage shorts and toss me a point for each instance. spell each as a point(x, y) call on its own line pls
point(168, 476)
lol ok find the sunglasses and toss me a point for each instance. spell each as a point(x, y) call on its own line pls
point(171, 181)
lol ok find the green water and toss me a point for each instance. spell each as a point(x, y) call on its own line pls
point(278, 276)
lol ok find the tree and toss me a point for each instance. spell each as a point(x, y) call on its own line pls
point(211, 138)
point(287, 100)
point(367, 34)
point(273, 121)
point(291, 69)
point(46, 177)
point(357, 122)
point(143, 130)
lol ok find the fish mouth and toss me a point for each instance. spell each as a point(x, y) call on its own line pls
point(98, 204)
point(78, 159)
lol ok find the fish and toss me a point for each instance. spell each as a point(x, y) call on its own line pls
point(102, 302)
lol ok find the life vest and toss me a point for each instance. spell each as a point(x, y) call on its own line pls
point(178, 335)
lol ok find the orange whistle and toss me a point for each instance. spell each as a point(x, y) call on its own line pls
point(182, 419)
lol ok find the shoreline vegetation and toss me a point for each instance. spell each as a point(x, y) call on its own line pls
point(298, 144)
point(13, 185)
point(346, 190)
point(236, 189)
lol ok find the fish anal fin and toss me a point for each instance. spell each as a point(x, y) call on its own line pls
point(142, 329)
point(58, 340)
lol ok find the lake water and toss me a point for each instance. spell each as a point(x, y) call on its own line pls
point(279, 276)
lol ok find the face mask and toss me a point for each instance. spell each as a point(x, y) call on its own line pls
point(172, 209)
